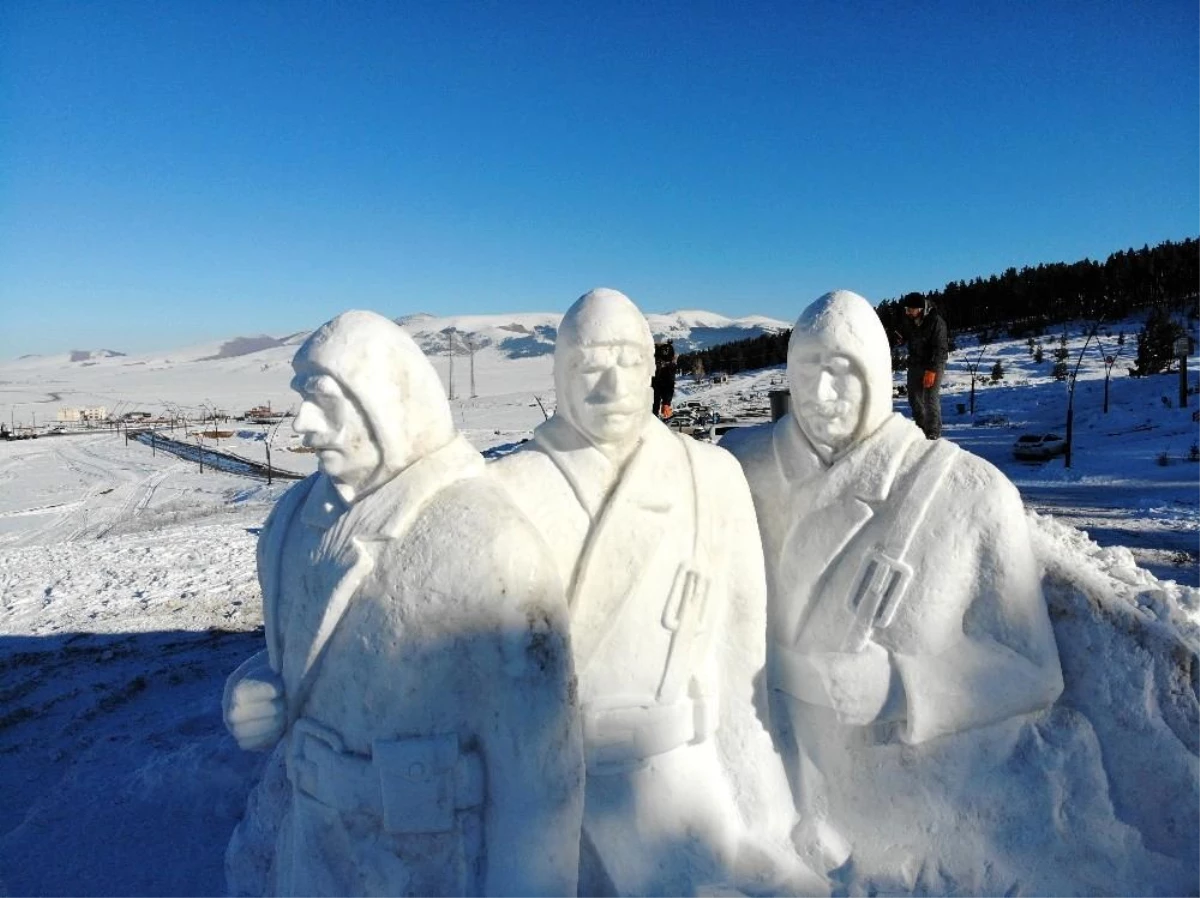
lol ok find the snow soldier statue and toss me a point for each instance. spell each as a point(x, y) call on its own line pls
point(905, 599)
point(655, 536)
point(417, 665)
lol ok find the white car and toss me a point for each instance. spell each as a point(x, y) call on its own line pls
point(1039, 446)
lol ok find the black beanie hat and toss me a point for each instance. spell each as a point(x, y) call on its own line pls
point(914, 301)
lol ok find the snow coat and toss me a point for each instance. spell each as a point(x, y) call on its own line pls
point(421, 629)
point(663, 821)
point(971, 641)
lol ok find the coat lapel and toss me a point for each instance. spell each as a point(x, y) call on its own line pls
point(625, 538)
point(269, 552)
point(348, 551)
point(341, 564)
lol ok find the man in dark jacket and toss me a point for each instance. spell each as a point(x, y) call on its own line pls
point(928, 345)
point(663, 380)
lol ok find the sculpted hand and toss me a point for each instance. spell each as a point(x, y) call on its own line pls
point(929, 380)
point(254, 708)
point(854, 684)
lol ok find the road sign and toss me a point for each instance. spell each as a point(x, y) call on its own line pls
point(1181, 346)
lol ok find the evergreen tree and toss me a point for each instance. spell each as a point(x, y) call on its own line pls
point(1156, 343)
point(1060, 370)
point(1028, 300)
point(1038, 355)
point(997, 372)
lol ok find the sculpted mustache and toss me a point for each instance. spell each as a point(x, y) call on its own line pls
point(622, 409)
point(829, 409)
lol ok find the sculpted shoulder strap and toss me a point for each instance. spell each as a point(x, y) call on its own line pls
point(885, 575)
point(685, 608)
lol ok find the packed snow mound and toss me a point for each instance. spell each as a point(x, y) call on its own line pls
point(1130, 650)
point(1096, 795)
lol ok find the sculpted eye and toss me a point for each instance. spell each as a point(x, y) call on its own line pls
point(839, 365)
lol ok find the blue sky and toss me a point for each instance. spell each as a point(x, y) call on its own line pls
point(179, 171)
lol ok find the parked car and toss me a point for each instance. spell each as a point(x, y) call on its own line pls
point(1038, 446)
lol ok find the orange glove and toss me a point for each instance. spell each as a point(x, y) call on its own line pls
point(930, 380)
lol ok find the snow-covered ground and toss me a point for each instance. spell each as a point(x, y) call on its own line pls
point(128, 593)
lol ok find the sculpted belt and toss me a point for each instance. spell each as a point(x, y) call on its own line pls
point(415, 785)
point(620, 738)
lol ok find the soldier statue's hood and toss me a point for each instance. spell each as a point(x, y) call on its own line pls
point(601, 316)
point(846, 323)
point(377, 363)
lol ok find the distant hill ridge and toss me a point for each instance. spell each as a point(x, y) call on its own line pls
point(87, 355)
point(515, 336)
point(533, 334)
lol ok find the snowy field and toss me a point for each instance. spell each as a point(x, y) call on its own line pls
point(128, 589)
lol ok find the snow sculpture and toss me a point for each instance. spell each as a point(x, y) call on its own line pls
point(655, 536)
point(904, 598)
point(417, 660)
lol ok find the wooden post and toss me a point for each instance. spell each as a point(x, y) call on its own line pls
point(1181, 350)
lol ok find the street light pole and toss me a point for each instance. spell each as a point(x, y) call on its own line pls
point(1071, 393)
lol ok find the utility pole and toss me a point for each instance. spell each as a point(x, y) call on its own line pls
point(212, 410)
point(471, 350)
point(450, 350)
point(270, 436)
point(1181, 350)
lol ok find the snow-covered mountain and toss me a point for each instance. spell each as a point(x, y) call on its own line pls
point(533, 334)
point(492, 355)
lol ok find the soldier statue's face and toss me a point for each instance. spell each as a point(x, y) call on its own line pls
point(828, 394)
point(331, 423)
point(608, 394)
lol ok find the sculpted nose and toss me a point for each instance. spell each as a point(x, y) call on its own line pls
point(825, 390)
point(302, 423)
point(609, 385)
